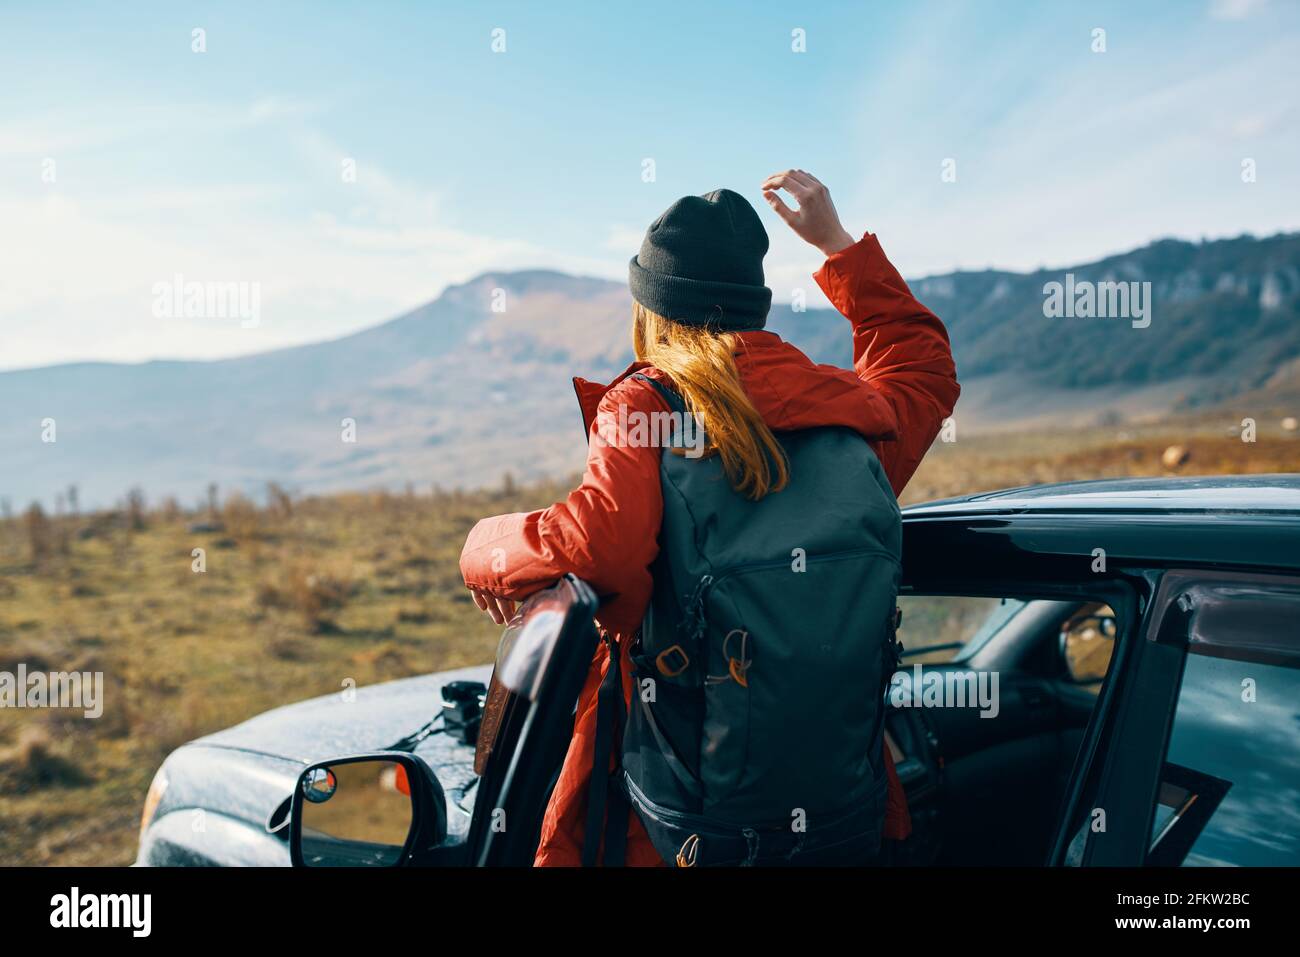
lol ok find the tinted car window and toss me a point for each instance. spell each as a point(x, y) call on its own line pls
point(1230, 790)
point(936, 628)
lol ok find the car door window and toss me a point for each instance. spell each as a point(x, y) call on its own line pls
point(1230, 786)
point(936, 628)
point(1007, 756)
point(541, 665)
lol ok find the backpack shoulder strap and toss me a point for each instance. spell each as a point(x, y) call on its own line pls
point(670, 395)
point(608, 809)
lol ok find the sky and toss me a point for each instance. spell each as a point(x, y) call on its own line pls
point(129, 158)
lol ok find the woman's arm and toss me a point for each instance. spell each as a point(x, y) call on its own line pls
point(605, 531)
point(899, 346)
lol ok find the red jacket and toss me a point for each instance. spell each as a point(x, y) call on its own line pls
point(606, 531)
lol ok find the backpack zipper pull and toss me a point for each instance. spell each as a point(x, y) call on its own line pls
point(695, 619)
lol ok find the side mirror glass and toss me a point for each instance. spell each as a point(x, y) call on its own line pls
point(376, 810)
point(1087, 643)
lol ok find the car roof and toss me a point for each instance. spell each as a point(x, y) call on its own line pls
point(1274, 495)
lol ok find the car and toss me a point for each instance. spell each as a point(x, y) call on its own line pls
point(1095, 673)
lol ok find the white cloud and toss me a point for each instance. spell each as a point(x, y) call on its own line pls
point(1086, 163)
point(624, 240)
point(69, 131)
point(78, 284)
point(1235, 9)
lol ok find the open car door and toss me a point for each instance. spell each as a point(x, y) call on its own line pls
point(542, 661)
point(388, 809)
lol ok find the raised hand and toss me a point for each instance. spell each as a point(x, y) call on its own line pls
point(815, 221)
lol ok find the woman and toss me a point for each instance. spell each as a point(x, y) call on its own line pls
point(699, 308)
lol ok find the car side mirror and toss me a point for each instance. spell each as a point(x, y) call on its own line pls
point(373, 810)
point(1087, 643)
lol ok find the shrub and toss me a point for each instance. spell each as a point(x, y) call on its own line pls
point(314, 593)
point(278, 501)
point(135, 510)
point(33, 764)
point(240, 518)
point(40, 539)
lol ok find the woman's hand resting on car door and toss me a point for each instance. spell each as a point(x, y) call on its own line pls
point(815, 221)
point(500, 610)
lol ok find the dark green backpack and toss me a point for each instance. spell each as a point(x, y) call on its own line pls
point(754, 734)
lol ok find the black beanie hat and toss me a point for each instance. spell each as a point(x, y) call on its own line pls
point(701, 264)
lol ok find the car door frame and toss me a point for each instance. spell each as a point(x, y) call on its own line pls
point(1038, 556)
point(1130, 778)
point(533, 738)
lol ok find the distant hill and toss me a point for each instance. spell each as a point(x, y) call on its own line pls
point(1225, 321)
point(457, 394)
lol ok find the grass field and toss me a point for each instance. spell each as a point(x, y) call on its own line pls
point(300, 595)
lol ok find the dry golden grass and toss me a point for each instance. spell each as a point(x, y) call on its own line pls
point(301, 595)
point(293, 602)
point(987, 462)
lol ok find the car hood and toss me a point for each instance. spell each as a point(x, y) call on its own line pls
point(247, 772)
point(361, 719)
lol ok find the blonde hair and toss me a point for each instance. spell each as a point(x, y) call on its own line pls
point(702, 366)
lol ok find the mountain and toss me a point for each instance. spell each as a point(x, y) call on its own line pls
point(1224, 320)
point(459, 394)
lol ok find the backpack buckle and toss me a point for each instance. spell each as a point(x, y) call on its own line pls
point(738, 668)
point(663, 659)
point(689, 852)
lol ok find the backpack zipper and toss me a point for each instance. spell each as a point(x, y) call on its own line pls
point(685, 820)
point(696, 619)
point(693, 623)
point(706, 826)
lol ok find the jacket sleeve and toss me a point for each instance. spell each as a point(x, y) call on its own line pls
point(605, 531)
point(899, 346)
